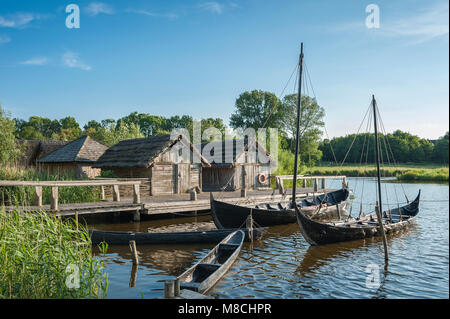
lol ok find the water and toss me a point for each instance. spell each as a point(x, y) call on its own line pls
point(283, 265)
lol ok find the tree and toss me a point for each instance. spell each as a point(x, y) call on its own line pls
point(258, 109)
point(9, 151)
point(441, 149)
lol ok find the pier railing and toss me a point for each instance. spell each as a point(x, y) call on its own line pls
point(315, 178)
point(54, 205)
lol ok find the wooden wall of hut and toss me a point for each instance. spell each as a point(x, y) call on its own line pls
point(80, 170)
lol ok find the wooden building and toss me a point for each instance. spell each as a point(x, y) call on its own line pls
point(75, 157)
point(232, 161)
point(160, 159)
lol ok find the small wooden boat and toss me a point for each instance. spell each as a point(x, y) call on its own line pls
point(226, 215)
point(167, 238)
point(210, 269)
point(317, 233)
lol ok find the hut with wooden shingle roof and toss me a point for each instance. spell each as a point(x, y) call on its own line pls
point(75, 157)
point(171, 163)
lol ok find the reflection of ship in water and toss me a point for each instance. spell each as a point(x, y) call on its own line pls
point(317, 256)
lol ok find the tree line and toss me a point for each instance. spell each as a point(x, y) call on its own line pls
point(396, 147)
point(253, 109)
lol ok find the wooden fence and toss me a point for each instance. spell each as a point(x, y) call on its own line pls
point(54, 205)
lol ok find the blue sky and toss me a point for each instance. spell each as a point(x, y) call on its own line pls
point(196, 57)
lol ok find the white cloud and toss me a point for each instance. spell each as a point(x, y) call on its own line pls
point(212, 6)
point(4, 39)
point(95, 8)
point(19, 20)
point(153, 14)
point(428, 24)
point(35, 61)
point(72, 60)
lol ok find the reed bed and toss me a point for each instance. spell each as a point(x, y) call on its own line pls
point(38, 254)
point(24, 196)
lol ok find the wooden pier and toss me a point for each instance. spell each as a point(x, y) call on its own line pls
point(151, 205)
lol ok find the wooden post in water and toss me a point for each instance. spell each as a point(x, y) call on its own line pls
point(169, 289)
point(133, 276)
point(134, 252)
point(176, 287)
point(249, 225)
point(316, 184)
point(38, 191)
point(54, 198)
point(323, 183)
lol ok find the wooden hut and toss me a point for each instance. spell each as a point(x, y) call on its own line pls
point(158, 158)
point(75, 157)
point(236, 164)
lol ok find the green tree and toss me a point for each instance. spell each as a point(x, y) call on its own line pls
point(441, 150)
point(9, 150)
point(258, 109)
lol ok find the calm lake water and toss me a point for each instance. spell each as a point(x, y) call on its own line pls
point(284, 265)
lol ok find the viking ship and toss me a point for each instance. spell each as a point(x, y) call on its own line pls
point(327, 206)
point(370, 225)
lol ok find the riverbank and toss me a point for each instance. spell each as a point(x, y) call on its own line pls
point(403, 172)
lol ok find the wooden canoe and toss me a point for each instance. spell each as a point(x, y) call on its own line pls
point(317, 233)
point(207, 236)
point(226, 215)
point(210, 269)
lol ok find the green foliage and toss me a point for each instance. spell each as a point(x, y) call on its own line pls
point(35, 251)
point(9, 150)
point(440, 153)
point(405, 148)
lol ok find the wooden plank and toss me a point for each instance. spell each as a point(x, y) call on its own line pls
point(136, 194)
point(116, 193)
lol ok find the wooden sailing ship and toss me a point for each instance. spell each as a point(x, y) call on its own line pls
point(375, 224)
point(327, 206)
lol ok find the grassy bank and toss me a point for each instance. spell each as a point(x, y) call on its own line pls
point(38, 256)
point(404, 172)
point(21, 195)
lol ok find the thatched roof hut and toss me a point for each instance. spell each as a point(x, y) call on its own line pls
point(77, 156)
point(36, 149)
point(162, 160)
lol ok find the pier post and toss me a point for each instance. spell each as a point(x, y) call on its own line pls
point(323, 183)
point(116, 193)
point(54, 198)
point(344, 182)
point(136, 194)
point(102, 189)
point(137, 215)
point(193, 194)
point(304, 183)
point(316, 184)
point(38, 191)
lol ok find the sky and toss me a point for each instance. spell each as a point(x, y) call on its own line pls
point(195, 57)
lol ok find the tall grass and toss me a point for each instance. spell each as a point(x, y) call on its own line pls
point(35, 251)
point(25, 196)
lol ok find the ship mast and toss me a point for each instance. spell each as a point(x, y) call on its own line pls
point(297, 137)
